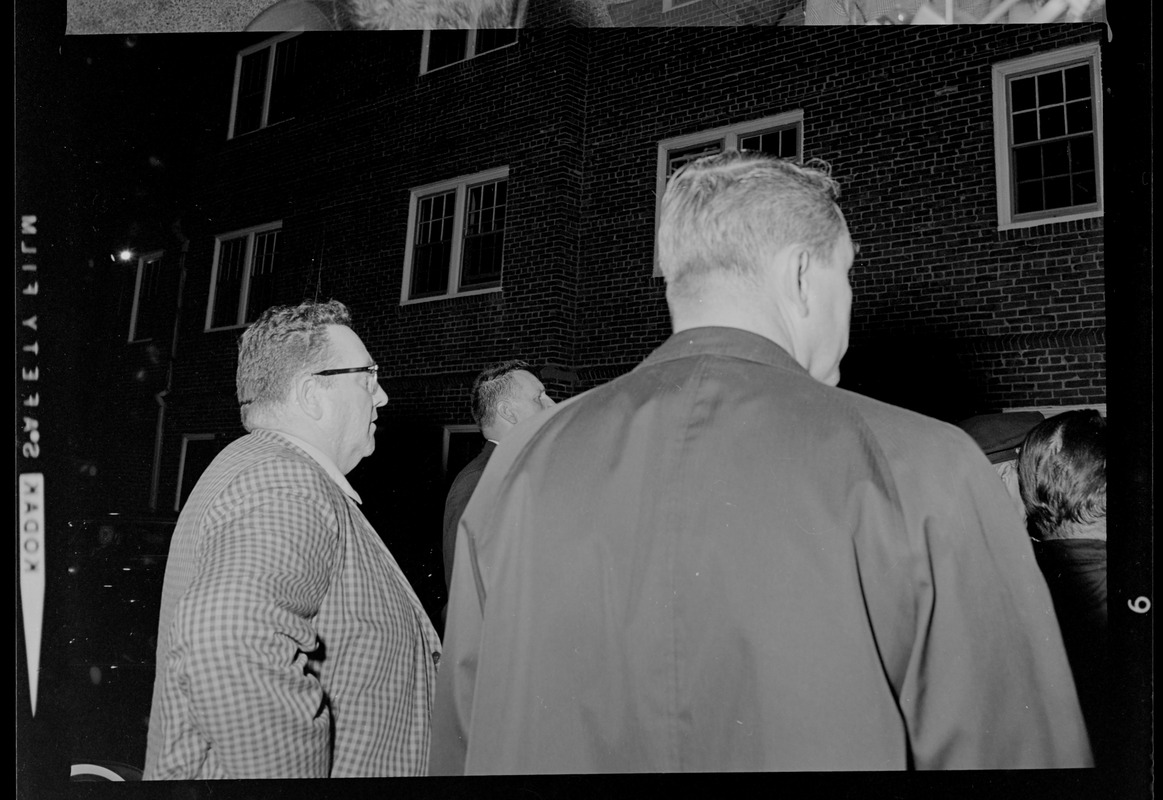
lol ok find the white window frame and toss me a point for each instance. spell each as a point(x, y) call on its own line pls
point(1002, 72)
point(266, 102)
point(446, 441)
point(469, 50)
point(730, 135)
point(244, 291)
point(461, 186)
point(671, 5)
point(186, 439)
point(147, 258)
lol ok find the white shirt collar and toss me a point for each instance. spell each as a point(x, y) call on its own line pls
point(325, 462)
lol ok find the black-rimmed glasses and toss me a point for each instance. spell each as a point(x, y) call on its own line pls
point(373, 370)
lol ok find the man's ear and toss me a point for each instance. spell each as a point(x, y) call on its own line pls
point(506, 412)
point(308, 395)
point(799, 276)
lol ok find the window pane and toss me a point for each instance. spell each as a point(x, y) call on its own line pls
point(432, 244)
point(1025, 127)
point(446, 47)
point(1057, 192)
point(228, 286)
point(1055, 159)
point(492, 38)
point(771, 143)
point(677, 158)
point(1078, 82)
point(1052, 122)
point(1022, 94)
point(284, 82)
point(252, 83)
point(483, 235)
point(1029, 197)
point(789, 143)
point(1050, 88)
point(1082, 153)
point(1027, 163)
point(1079, 117)
point(1085, 190)
point(261, 292)
point(151, 308)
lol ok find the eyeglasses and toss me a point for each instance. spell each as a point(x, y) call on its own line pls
point(373, 370)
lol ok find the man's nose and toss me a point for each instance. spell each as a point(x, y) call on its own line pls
point(380, 398)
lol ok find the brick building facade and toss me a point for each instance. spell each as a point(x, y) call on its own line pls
point(955, 312)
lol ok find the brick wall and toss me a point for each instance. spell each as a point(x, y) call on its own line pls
point(650, 13)
point(904, 117)
point(950, 316)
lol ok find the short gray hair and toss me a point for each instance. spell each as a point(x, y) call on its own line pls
point(282, 343)
point(726, 213)
point(494, 384)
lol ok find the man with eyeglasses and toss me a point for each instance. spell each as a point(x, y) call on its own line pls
point(290, 644)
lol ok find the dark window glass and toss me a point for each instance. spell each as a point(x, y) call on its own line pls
point(199, 454)
point(1057, 191)
point(285, 81)
point(261, 291)
point(1053, 158)
point(1056, 159)
point(780, 143)
point(679, 157)
point(252, 83)
point(152, 310)
point(1025, 127)
point(446, 47)
point(484, 235)
point(1023, 97)
point(492, 38)
point(228, 285)
point(432, 245)
point(1078, 82)
point(1027, 163)
point(1082, 154)
point(1050, 88)
point(1030, 197)
point(1079, 118)
point(1051, 122)
point(1084, 188)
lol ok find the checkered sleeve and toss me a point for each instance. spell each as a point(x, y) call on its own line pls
point(243, 631)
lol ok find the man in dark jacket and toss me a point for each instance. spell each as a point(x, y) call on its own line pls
point(720, 561)
point(503, 395)
point(1062, 475)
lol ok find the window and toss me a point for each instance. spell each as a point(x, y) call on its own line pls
point(150, 311)
point(1047, 123)
point(456, 235)
point(780, 136)
point(461, 444)
point(448, 46)
point(198, 450)
point(242, 279)
point(266, 88)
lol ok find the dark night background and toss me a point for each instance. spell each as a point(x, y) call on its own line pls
point(107, 131)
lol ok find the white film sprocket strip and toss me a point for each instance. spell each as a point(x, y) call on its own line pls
point(32, 571)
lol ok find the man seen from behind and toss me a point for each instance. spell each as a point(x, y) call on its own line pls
point(720, 561)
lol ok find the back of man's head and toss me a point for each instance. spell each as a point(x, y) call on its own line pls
point(495, 383)
point(282, 343)
point(723, 215)
point(1062, 475)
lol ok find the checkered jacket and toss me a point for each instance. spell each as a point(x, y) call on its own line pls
point(290, 644)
